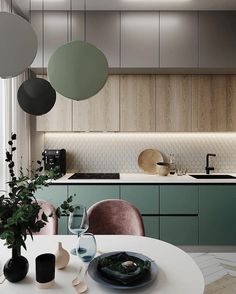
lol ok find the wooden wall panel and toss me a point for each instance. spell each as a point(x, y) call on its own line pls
point(101, 112)
point(137, 103)
point(214, 103)
point(173, 103)
point(231, 103)
point(149, 103)
point(59, 118)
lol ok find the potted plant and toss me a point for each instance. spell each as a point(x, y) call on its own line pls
point(19, 212)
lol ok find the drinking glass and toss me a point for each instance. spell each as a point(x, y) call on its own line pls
point(86, 247)
point(78, 222)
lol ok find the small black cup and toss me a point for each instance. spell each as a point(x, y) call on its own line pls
point(45, 270)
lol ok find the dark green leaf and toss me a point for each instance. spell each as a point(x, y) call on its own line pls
point(58, 212)
point(44, 217)
point(11, 164)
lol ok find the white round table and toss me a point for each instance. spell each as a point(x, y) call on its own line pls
point(178, 273)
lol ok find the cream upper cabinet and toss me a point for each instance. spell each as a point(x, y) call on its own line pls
point(214, 103)
point(217, 39)
point(103, 30)
point(137, 103)
point(51, 28)
point(59, 118)
point(37, 24)
point(55, 32)
point(173, 103)
point(178, 39)
point(77, 25)
point(101, 112)
point(140, 39)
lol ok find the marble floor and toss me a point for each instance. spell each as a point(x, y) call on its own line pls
point(219, 271)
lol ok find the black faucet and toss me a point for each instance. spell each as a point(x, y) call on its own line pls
point(207, 163)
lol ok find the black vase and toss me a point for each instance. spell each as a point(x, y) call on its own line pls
point(16, 268)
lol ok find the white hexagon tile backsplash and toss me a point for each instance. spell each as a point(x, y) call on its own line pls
point(118, 152)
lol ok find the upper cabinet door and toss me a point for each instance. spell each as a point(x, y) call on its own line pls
point(173, 103)
point(137, 103)
point(77, 27)
point(140, 39)
point(178, 39)
point(59, 118)
point(217, 39)
point(55, 32)
point(103, 30)
point(37, 24)
point(214, 103)
point(101, 112)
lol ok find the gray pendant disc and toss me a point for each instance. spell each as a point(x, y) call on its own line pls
point(18, 45)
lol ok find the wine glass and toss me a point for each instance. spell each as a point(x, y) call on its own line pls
point(86, 247)
point(78, 222)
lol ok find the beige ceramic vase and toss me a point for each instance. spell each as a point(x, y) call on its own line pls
point(62, 257)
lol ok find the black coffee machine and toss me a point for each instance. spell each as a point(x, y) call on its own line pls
point(55, 159)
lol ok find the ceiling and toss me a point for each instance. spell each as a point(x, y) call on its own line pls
point(134, 4)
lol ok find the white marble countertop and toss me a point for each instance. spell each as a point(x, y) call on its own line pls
point(140, 178)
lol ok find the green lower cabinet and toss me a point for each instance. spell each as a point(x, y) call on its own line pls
point(179, 230)
point(151, 226)
point(55, 195)
point(63, 226)
point(179, 199)
point(217, 215)
point(144, 197)
point(90, 194)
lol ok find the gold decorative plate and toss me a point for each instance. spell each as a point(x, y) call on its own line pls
point(148, 159)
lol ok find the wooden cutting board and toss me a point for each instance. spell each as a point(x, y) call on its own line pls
point(148, 159)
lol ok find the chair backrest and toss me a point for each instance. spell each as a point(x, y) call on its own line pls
point(52, 226)
point(115, 217)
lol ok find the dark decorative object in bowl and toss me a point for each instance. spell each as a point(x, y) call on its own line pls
point(123, 270)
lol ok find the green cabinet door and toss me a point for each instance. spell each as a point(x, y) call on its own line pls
point(217, 215)
point(55, 195)
point(151, 226)
point(179, 230)
point(179, 199)
point(144, 197)
point(90, 194)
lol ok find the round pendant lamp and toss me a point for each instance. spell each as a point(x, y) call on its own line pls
point(78, 70)
point(36, 96)
point(18, 45)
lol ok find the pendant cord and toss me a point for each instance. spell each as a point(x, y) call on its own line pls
point(30, 18)
point(85, 21)
point(30, 9)
point(43, 37)
point(71, 15)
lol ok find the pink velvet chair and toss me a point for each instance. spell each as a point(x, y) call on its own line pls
point(52, 226)
point(115, 217)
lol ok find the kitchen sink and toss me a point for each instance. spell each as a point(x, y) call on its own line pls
point(201, 176)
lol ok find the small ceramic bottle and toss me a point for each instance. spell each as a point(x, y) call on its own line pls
point(62, 257)
point(172, 164)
